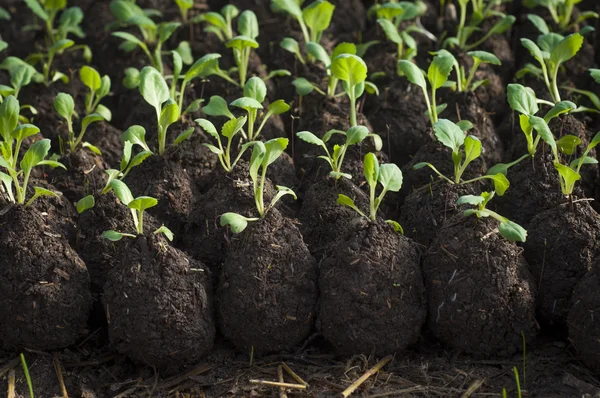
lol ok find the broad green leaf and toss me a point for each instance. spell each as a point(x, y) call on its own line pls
point(303, 86)
point(371, 169)
point(169, 114)
point(258, 155)
point(184, 135)
point(9, 117)
point(464, 125)
point(584, 160)
point(166, 29)
point(485, 56)
point(291, 45)
point(278, 73)
point(90, 77)
point(85, 203)
point(203, 66)
point(474, 200)
point(318, 52)
point(139, 158)
point(348, 202)
point(568, 144)
point(121, 191)
point(217, 106)
point(241, 42)
point(501, 183)
point(36, 153)
point(248, 24)
point(290, 6)
point(4, 14)
point(534, 50)
point(153, 88)
point(142, 203)
point(36, 7)
point(539, 23)
point(568, 176)
point(237, 223)
point(522, 99)
point(132, 78)
point(541, 127)
point(113, 236)
point(349, 68)
point(356, 134)
point(246, 103)
point(390, 177)
point(449, 134)
point(214, 149)
point(278, 107)
point(439, 70)
point(38, 192)
point(92, 148)
point(309, 137)
point(166, 232)
point(128, 37)
point(317, 15)
point(89, 119)
point(255, 88)
point(233, 126)
point(559, 109)
point(502, 25)
point(472, 148)
point(343, 48)
point(215, 19)
point(185, 52)
point(208, 127)
point(566, 49)
point(548, 42)
point(390, 30)
point(595, 73)
point(64, 105)
point(104, 86)
point(274, 149)
point(25, 130)
point(194, 106)
point(512, 231)
point(136, 135)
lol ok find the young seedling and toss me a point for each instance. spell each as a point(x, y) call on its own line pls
point(464, 151)
point(99, 88)
point(263, 155)
point(509, 230)
point(551, 51)
point(321, 55)
point(352, 71)
point(220, 23)
point(569, 173)
point(335, 158)
point(65, 107)
point(17, 173)
point(437, 76)
point(255, 92)
point(184, 7)
point(390, 178)
point(21, 75)
point(481, 10)
point(593, 97)
point(243, 44)
point(314, 19)
point(465, 83)
point(137, 206)
point(561, 12)
point(229, 130)
point(57, 39)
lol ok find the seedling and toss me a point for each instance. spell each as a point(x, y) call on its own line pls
point(263, 155)
point(561, 12)
point(21, 75)
point(314, 19)
point(354, 135)
point(551, 51)
point(390, 178)
point(255, 92)
point(509, 230)
point(569, 173)
point(464, 82)
point(243, 44)
point(127, 14)
point(220, 23)
point(184, 8)
point(13, 135)
point(137, 206)
point(319, 53)
point(352, 71)
point(481, 10)
point(65, 107)
point(464, 151)
point(595, 73)
point(230, 129)
point(57, 39)
point(437, 76)
point(99, 88)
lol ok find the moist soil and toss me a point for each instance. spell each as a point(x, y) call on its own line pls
point(44, 284)
point(83, 176)
point(477, 280)
point(562, 245)
point(267, 293)
point(158, 304)
point(372, 297)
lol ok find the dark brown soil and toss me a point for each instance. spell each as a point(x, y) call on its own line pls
point(83, 176)
point(267, 294)
point(44, 285)
point(425, 210)
point(372, 296)
point(158, 304)
point(563, 243)
point(582, 322)
point(322, 220)
point(481, 294)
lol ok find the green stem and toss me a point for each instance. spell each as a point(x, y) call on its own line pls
point(227, 154)
point(304, 31)
point(434, 115)
point(428, 102)
point(182, 93)
point(372, 209)
point(260, 204)
point(568, 13)
point(554, 92)
point(161, 140)
point(140, 226)
point(476, 64)
point(251, 120)
point(461, 26)
point(353, 121)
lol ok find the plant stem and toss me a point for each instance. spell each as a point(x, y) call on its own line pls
point(476, 64)
point(161, 140)
point(181, 94)
point(140, 226)
point(461, 26)
point(251, 120)
point(434, 116)
point(372, 209)
point(428, 102)
point(353, 122)
point(555, 93)
point(260, 203)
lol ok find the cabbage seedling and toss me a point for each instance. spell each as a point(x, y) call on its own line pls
point(99, 88)
point(21, 75)
point(184, 7)
point(551, 51)
point(65, 107)
point(437, 76)
point(569, 173)
point(352, 71)
point(508, 229)
point(354, 135)
point(13, 135)
point(243, 44)
point(255, 92)
point(229, 130)
point(220, 23)
point(137, 206)
point(561, 12)
point(390, 178)
point(481, 10)
point(464, 82)
point(314, 19)
point(263, 155)
point(464, 151)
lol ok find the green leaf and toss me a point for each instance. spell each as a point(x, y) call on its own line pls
point(278, 107)
point(561, 108)
point(169, 114)
point(290, 6)
point(348, 202)
point(38, 192)
point(255, 88)
point(153, 88)
point(449, 134)
point(121, 191)
point(566, 49)
point(215, 19)
point(274, 149)
point(349, 68)
point(319, 53)
point(166, 232)
point(439, 70)
point(258, 155)
point(472, 148)
point(568, 144)
point(317, 15)
point(512, 231)
point(25, 130)
point(166, 29)
point(356, 134)
point(246, 103)
point(233, 126)
point(248, 24)
point(474, 200)
point(139, 158)
point(92, 148)
point(390, 177)
point(104, 86)
point(36, 7)
point(464, 125)
point(90, 77)
point(184, 135)
point(241, 42)
point(502, 25)
point(142, 203)
point(291, 45)
point(534, 50)
point(185, 52)
point(9, 117)
point(64, 105)
point(396, 225)
point(548, 42)
point(541, 127)
point(595, 141)
point(208, 127)
point(113, 236)
point(390, 30)
point(343, 48)
point(89, 119)
point(595, 73)
point(203, 66)
point(371, 169)
point(132, 78)
point(501, 183)
point(52, 163)
point(309, 137)
point(485, 56)
point(217, 106)
point(237, 223)
point(129, 38)
point(85, 203)
point(371, 88)
point(568, 176)
point(194, 106)
point(36, 153)
point(584, 160)
point(539, 23)
point(136, 135)
point(303, 86)
point(278, 73)
point(4, 14)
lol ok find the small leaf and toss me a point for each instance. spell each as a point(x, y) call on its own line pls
point(85, 203)
point(246, 103)
point(217, 106)
point(390, 177)
point(396, 225)
point(309, 137)
point(474, 200)
point(208, 127)
point(248, 24)
point(166, 232)
point(317, 15)
point(371, 169)
point(356, 134)
point(142, 203)
point(472, 148)
point(233, 126)
point(512, 231)
point(485, 56)
point(464, 125)
point(153, 87)
point(501, 183)
point(170, 113)
point(274, 149)
point(278, 107)
point(303, 86)
point(348, 202)
point(89, 119)
point(566, 49)
point(184, 135)
point(36, 153)
point(317, 51)
point(136, 135)
point(439, 70)
point(104, 112)
point(25, 130)
point(561, 108)
point(349, 68)
point(64, 105)
point(522, 99)
point(237, 223)
point(92, 148)
point(539, 23)
point(543, 130)
point(255, 88)
point(132, 78)
point(194, 106)
point(568, 144)
point(449, 134)
point(112, 236)
point(390, 30)
point(121, 191)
